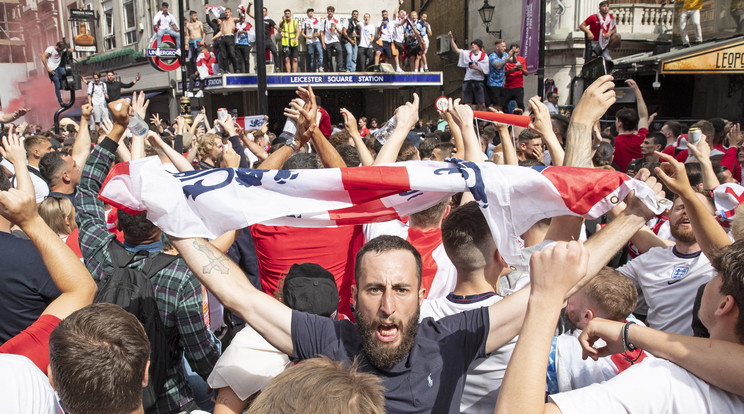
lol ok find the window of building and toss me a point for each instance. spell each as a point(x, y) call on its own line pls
point(109, 38)
point(130, 22)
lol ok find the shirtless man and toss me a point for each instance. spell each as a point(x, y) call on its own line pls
point(196, 34)
point(227, 45)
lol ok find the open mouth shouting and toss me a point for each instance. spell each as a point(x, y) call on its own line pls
point(387, 332)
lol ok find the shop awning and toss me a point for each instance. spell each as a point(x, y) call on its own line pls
point(719, 57)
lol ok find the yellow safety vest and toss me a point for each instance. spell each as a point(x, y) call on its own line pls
point(289, 33)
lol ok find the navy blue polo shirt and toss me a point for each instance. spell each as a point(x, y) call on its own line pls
point(430, 379)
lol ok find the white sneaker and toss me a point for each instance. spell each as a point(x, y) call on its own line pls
point(426, 69)
point(199, 94)
point(400, 70)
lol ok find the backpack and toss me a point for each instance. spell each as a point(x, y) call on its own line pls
point(132, 289)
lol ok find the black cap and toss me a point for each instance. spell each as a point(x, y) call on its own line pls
point(308, 287)
point(478, 42)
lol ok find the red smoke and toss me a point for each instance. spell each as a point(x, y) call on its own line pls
point(37, 94)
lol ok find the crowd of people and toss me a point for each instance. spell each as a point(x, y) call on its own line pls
point(424, 313)
point(355, 43)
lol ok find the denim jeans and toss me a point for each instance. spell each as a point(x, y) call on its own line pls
point(313, 50)
point(169, 31)
point(58, 73)
point(351, 56)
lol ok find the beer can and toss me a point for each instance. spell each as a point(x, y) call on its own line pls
point(222, 114)
point(694, 135)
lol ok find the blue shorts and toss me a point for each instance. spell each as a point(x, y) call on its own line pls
point(385, 49)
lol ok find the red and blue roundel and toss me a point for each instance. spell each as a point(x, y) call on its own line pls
point(167, 59)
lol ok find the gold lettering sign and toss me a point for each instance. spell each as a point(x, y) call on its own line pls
point(722, 59)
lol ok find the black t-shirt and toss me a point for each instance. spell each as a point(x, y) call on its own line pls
point(25, 286)
point(431, 379)
point(268, 25)
point(114, 89)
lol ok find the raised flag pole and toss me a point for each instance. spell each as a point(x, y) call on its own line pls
point(509, 119)
point(263, 98)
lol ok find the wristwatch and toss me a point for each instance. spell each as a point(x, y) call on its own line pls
point(294, 146)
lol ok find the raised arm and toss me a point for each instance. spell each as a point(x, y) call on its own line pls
point(226, 281)
point(456, 135)
point(643, 120)
point(462, 118)
point(406, 117)
point(595, 101)
point(7, 118)
point(350, 124)
point(452, 41)
point(701, 151)
point(229, 126)
point(81, 147)
point(174, 156)
point(507, 145)
point(306, 128)
point(90, 216)
point(708, 233)
point(543, 125)
point(552, 273)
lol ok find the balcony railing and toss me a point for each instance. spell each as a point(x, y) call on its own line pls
point(643, 21)
point(650, 22)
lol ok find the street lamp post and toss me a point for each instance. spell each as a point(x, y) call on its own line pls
point(486, 14)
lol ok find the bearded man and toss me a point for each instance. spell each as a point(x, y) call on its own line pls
point(422, 365)
point(668, 278)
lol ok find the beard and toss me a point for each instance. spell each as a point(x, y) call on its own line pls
point(684, 235)
point(380, 356)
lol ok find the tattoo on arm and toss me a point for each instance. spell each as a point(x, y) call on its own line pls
point(217, 262)
point(578, 146)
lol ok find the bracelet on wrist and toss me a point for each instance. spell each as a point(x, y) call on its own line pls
point(627, 345)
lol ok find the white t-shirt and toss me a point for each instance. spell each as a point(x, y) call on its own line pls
point(368, 35)
point(54, 58)
point(41, 188)
point(97, 92)
point(311, 26)
point(24, 389)
point(669, 282)
point(481, 59)
point(573, 372)
point(331, 28)
point(248, 364)
point(386, 30)
point(484, 374)
point(163, 21)
point(399, 34)
point(655, 386)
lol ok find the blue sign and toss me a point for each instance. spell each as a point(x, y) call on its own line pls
point(164, 53)
point(329, 80)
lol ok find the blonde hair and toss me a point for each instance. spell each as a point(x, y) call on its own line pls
point(737, 224)
point(322, 386)
point(59, 214)
point(206, 144)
